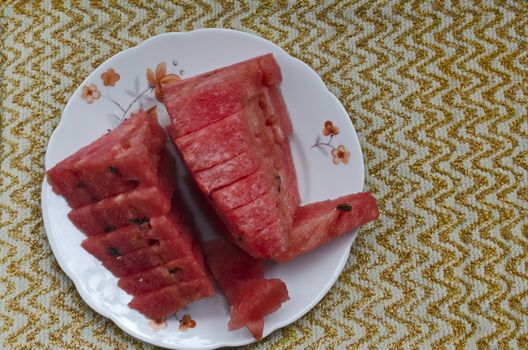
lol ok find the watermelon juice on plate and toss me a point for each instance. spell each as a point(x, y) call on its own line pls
point(324, 147)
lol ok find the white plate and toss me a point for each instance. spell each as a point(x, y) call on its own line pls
point(310, 105)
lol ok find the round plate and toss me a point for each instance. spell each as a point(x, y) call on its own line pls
point(327, 165)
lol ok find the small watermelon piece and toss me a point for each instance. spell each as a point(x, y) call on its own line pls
point(163, 302)
point(317, 223)
point(185, 99)
point(109, 165)
point(130, 207)
point(176, 271)
point(256, 299)
point(142, 234)
point(241, 277)
point(160, 253)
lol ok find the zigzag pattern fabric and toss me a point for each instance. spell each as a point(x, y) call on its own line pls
point(438, 93)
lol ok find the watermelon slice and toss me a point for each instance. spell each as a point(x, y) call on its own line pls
point(176, 271)
point(160, 253)
point(163, 302)
point(137, 236)
point(185, 99)
point(241, 146)
point(317, 223)
point(241, 277)
point(130, 207)
point(118, 162)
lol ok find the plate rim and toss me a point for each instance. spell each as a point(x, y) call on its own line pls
point(350, 237)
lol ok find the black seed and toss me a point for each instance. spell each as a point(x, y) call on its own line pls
point(279, 180)
point(175, 270)
point(138, 221)
point(113, 169)
point(344, 207)
point(113, 251)
point(109, 228)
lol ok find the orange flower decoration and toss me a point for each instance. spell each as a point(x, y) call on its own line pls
point(110, 77)
point(330, 129)
point(89, 93)
point(340, 154)
point(160, 78)
point(187, 322)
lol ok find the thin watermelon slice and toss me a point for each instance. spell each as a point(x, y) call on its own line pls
point(142, 234)
point(185, 99)
point(130, 207)
point(176, 271)
point(109, 165)
point(241, 277)
point(317, 223)
point(163, 302)
point(147, 258)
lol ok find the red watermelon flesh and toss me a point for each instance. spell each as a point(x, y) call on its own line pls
point(256, 299)
point(130, 207)
point(264, 243)
point(160, 253)
point(185, 99)
point(222, 140)
point(241, 277)
point(108, 166)
point(243, 191)
point(317, 223)
point(136, 236)
point(176, 271)
point(226, 173)
point(163, 302)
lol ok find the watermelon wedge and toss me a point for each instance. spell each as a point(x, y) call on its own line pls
point(317, 223)
point(130, 207)
point(146, 233)
point(176, 271)
point(161, 303)
point(241, 277)
point(246, 144)
point(121, 160)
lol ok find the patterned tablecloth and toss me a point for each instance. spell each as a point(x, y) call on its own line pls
point(438, 93)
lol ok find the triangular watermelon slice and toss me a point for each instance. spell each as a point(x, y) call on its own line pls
point(228, 148)
point(110, 165)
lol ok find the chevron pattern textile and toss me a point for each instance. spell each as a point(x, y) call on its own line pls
point(438, 94)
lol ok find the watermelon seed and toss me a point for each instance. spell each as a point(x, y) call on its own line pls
point(113, 169)
point(279, 180)
point(109, 228)
point(344, 207)
point(80, 184)
point(175, 270)
point(141, 279)
point(138, 221)
point(113, 251)
point(152, 242)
